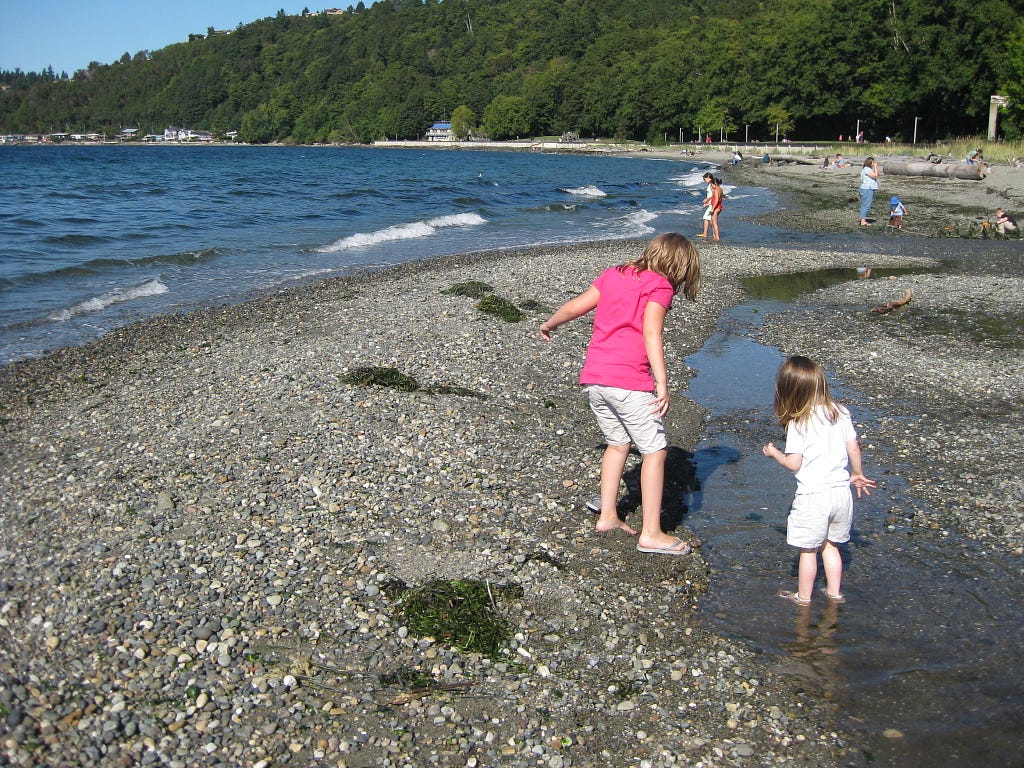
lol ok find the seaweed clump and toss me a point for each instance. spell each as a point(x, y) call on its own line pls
point(460, 613)
point(501, 308)
point(381, 377)
point(474, 289)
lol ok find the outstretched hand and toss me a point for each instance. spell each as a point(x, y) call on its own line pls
point(862, 483)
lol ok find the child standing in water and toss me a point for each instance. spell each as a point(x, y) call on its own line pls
point(625, 377)
point(712, 205)
point(823, 452)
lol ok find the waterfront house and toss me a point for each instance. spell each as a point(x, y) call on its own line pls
point(441, 131)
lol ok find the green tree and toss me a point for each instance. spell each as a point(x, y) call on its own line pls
point(463, 122)
point(779, 121)
point(507, 117)
point(714, 119)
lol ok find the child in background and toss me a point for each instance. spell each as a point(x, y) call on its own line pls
point(897, 210)
point(823, 452)
point(625, 377)
point(1005, 223)
point(713, 204)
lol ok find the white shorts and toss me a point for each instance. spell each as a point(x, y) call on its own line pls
point(625, 415)
point(815, 517)
point(707, 213)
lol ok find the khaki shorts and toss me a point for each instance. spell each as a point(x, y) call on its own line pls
point(625, 416)
point(815, 517)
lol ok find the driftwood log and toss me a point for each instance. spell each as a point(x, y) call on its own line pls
point(889, 306)
point(795, 159)
point(957, 170)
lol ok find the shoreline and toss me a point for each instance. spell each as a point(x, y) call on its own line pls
point(199, 502)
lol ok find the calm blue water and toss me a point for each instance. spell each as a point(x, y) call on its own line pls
point(92, 238)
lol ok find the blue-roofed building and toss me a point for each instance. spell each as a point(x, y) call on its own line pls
point(441, 131)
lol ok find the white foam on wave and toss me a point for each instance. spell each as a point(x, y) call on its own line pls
point(633, 224)
point(117, 296)
point(411, 231)
point(588, 191)
point(692, 179)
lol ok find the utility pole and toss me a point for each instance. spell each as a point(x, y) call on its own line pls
point(915, 129)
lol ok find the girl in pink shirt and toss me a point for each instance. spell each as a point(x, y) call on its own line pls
point(625, 377)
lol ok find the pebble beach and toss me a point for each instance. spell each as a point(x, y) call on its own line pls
point(207, 528)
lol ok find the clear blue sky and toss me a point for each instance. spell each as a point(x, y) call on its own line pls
point(68, 34)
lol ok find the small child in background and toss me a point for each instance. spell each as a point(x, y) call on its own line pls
point(1005, 223)
point(624, 374)
point(823, 452)
point(897, 210)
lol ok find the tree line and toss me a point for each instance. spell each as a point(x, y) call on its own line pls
point(628, 69)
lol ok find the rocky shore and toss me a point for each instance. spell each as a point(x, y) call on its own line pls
point(207, 530)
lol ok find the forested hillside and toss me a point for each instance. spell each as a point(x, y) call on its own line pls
point(638, 69)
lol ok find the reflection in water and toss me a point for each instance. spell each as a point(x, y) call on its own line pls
point(814, 650)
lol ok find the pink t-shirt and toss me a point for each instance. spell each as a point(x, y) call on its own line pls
point(616, 355)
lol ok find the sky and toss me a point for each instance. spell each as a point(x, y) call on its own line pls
point(69, 34)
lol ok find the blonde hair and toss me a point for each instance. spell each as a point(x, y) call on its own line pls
point(673, 257)
point(800, 387)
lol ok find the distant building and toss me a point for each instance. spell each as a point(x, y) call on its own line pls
point(440, 132)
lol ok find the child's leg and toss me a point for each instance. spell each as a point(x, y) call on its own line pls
point(612, 465)
point(714, 223)
point(807, 573)
point(832, 560)
point(652, 487)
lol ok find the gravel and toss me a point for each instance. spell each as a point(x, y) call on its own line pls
point(203, 526)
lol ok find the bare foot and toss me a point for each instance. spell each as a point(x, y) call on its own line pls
point(611, 525)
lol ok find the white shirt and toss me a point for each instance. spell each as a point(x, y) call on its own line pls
point(823, 446)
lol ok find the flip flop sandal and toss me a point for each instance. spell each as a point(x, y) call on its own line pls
point(793, 597)
point(677, 547)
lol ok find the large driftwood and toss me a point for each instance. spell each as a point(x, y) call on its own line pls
point(924, 168)
point(889, 306)
point(795, 159)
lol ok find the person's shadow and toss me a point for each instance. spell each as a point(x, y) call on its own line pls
point(681, 485)
point(704, 463)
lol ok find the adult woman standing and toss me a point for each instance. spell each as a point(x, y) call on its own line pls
point(868, 185)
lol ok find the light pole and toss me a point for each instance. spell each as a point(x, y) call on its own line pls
point(915, 129)
point(746, 133)
point(856, 136)
point(680, 135)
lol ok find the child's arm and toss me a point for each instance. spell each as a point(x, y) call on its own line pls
point(572, 309)
point(791, 461)
point(857, 479)
point(654, 324)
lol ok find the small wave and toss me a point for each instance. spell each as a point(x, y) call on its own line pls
point(694, 178)
point(409, 231)
point(588, 191)
point(634, 224)
point(555, 208)
point(74, 240)
point(118, 296)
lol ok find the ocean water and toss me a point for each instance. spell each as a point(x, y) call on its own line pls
point(92, 238)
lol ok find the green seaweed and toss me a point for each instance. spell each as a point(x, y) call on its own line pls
point(460, 613)
point(474, 289)
point(501, 308)
point(381, 377)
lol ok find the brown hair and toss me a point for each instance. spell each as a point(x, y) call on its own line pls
point(799, 388)
point(675, 258)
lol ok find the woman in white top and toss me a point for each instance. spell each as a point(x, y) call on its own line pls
point(868, 185)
